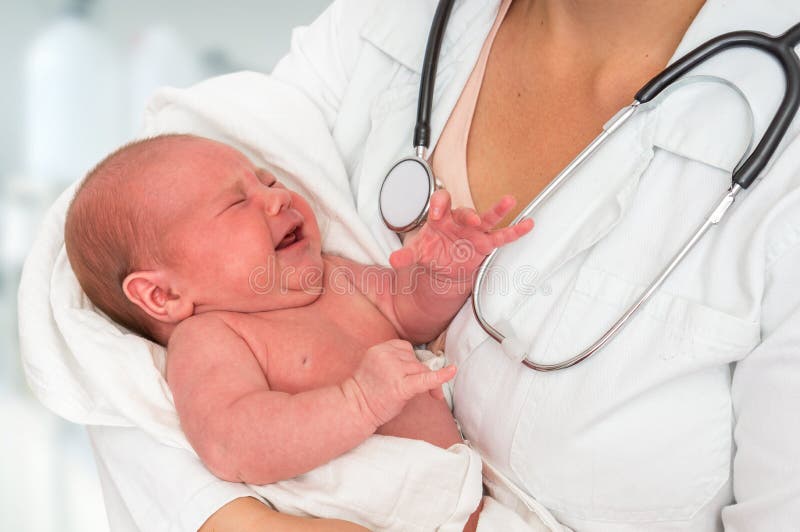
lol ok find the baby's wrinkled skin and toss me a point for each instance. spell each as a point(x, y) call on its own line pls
point(281, 357)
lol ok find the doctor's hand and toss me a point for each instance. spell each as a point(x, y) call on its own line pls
point(388, 376)
point(453, 242)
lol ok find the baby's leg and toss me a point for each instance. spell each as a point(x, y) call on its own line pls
point(425, 418)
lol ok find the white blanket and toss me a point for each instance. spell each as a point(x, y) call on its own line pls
point(89, 370)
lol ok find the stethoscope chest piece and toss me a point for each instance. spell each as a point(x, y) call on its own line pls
point(405, 194)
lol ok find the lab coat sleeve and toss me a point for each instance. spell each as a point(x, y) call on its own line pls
point(323, 55)
point(153, 487)
point(766, 401)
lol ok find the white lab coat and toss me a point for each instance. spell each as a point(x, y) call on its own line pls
point(689, 419)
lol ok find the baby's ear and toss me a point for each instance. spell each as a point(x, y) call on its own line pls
point(150, 291)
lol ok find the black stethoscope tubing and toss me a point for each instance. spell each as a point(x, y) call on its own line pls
point(782, 49)
point(422, 130)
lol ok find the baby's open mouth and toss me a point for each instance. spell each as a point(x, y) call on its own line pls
point(295, 234)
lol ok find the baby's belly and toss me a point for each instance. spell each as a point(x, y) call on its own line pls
point(305, 353)
point(324, 361)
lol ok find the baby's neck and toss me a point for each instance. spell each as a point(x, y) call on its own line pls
point(162, 332)
point(332, 266)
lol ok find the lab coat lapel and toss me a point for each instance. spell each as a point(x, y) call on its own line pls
point(400, 29)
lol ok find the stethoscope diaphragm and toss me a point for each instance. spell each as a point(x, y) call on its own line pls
point(405, 194)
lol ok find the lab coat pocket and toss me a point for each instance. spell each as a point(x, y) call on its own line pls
point(641, 431)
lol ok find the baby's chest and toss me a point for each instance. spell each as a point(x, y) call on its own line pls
point(306, 350)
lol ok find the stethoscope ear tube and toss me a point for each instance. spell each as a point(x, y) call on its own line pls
point(422, 130)
point(782, 49)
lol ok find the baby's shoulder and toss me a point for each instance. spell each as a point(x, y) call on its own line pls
point(207, 345)
point(213, 327)
point(239, 332)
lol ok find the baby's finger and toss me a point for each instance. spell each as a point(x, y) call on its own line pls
point(523, 227)
point(402, 258)
point(466, 217)
point(437, 393)
point(399, 343)
point(428, 380)
point(497, 212)
point(510, 234)
point(440, 205)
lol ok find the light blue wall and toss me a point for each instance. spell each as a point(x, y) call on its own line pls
point(253, 33)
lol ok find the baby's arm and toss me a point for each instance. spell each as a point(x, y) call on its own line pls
point(245, 432)
point(435, 269)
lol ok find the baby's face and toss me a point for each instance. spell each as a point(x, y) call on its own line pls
point(240, 240)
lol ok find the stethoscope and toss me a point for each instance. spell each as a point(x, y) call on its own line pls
point(409, 184)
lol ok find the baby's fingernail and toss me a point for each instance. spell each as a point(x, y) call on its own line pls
point(435, 212)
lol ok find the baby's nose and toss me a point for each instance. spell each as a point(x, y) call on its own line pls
point(276, 199)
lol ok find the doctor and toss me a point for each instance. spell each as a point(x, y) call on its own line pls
point(688, 420)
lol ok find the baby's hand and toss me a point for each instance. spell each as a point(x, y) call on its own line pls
point(388, 376)
point(454, 242)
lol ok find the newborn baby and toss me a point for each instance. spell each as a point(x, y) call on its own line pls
point(279, 357)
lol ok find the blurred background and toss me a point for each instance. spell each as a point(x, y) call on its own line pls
point(75, 77)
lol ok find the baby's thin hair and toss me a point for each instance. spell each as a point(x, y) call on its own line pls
point(109, 233)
